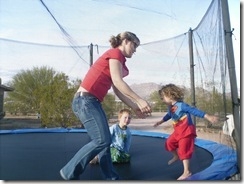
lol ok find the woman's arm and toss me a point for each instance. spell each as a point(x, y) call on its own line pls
point(124, 98)
point(119, 83)
point(130, 103)
point(126, 94)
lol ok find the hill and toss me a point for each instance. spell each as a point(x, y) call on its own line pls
point(144, 90)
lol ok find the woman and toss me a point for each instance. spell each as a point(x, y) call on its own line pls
point(108, 71)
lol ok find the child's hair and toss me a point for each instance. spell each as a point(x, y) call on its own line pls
point(123, 111)
point(172, 91)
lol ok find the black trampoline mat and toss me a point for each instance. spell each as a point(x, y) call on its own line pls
point(40, 156)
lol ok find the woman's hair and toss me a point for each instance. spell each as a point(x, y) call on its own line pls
point(116, 41)
point(124, 111)
point(172, 91)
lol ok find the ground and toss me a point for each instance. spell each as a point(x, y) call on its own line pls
point(213, 133)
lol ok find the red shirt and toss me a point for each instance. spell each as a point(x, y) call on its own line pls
point(98, 79)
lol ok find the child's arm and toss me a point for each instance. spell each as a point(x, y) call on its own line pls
point(112, 129)
point(165, 118)
point(158, 123)
point(211, 118)
point(199, 113)
point(128, 143)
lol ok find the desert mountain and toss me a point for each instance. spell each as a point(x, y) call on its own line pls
point(144, 90)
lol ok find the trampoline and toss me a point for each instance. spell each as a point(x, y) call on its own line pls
point(39, 154)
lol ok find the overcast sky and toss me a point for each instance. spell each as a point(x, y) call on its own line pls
point(94, 21)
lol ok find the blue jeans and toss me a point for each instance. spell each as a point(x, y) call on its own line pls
point(89, 111)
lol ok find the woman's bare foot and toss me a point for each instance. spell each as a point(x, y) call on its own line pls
point(184, 176)
point(173, 160)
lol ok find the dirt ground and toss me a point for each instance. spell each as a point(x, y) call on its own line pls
point(213, 133)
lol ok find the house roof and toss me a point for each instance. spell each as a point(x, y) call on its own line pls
point(5, 88)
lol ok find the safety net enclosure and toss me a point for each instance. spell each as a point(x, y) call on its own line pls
point(200, 60)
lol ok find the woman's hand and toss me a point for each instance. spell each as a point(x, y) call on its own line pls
point(139, 114)
point(144, 107)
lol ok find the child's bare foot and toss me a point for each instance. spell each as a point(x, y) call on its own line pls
point(94, 160)
point(184, 176)
point(173, 160)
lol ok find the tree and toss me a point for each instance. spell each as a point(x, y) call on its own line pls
point(42, 90)
point(109, 105)
point(55, 103)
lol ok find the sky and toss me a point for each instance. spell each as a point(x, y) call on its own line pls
point(92, 21)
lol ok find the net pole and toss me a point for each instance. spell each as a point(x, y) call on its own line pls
point(232, 76)
point(192, 72)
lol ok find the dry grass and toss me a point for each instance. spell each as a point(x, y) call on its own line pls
point(19, 122)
